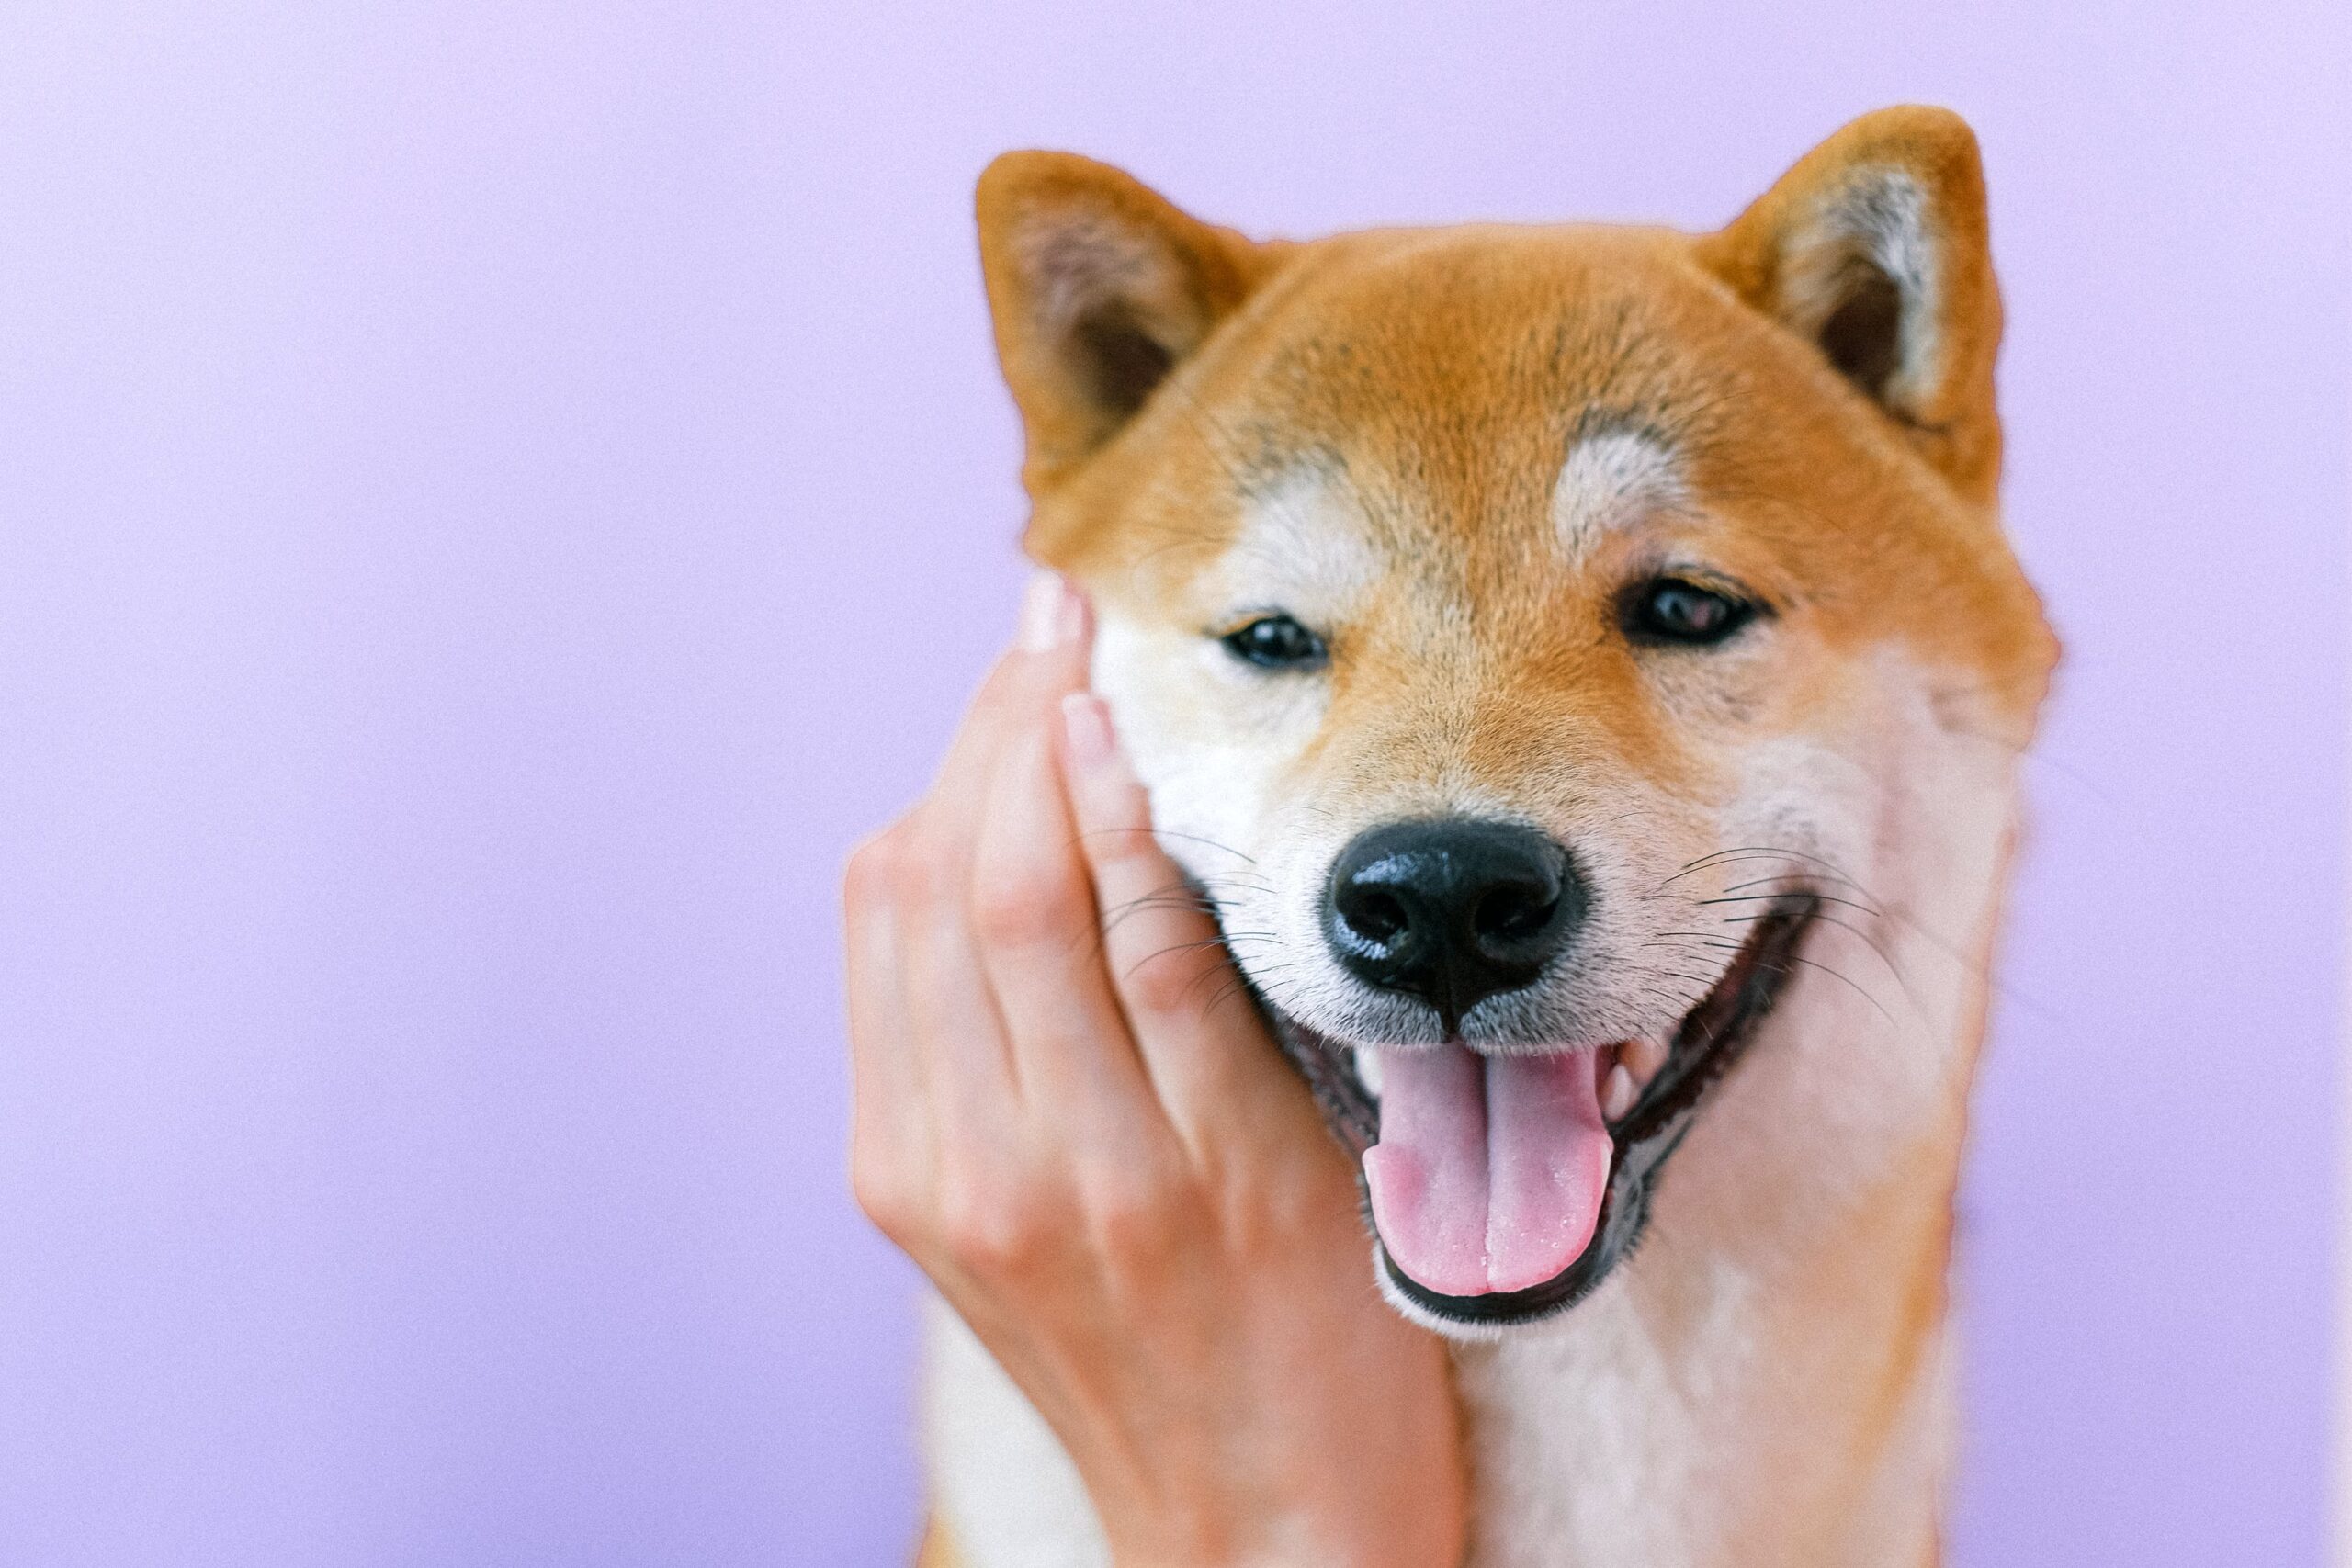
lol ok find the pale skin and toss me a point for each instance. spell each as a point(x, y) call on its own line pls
point(1072, 1120)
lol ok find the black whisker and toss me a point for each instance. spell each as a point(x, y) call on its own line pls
point(1857, 989)
point(1859, 935)
point(1768, 898)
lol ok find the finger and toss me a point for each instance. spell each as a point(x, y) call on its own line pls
point(1200, 1039)
point(1049, 657)
point(962, 1055)
point(1033, 909)
point(889, 1141)
point(957, 1036)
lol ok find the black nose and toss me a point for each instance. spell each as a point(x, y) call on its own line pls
point(1451, 911)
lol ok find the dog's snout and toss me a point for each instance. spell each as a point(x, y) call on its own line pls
point(1451, 911)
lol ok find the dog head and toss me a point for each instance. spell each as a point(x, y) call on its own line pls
point(1530, 636)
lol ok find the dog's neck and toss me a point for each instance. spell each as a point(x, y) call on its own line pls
point(1709, 1409)
point(1767, 1379)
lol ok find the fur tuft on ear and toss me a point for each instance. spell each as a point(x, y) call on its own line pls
point(1100, 288)
point(1874, 249)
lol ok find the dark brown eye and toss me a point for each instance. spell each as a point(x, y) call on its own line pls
point(1670, 610)
point(1275, 642)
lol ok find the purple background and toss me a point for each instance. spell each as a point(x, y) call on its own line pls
point(493, 497)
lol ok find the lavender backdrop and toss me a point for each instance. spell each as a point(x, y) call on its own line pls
point(495, 497)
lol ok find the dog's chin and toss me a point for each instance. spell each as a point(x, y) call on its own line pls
point(1642, 1135)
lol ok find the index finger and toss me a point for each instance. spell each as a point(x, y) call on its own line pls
point(1209, 1053)
point(1049, 657)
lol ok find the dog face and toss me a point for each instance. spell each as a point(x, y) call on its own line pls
point(1519, 630)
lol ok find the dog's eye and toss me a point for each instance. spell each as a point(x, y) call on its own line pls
point(1275, 642)
point(1670, 610)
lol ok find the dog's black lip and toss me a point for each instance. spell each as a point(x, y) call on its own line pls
point(1712, 1037)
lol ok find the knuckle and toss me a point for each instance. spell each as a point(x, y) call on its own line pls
point(885, 1198)
point(1272, 1214)
point(1142, 1217)
point(871, 873)
point(990, 1242)
point(922, 871)
point(884, 1206)
point(999, 1227)
point(1027, 905)
point(1135, 844)
point(1168, 982)
point(1130, 857)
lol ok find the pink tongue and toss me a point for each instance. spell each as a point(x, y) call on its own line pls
point(1489, 1171)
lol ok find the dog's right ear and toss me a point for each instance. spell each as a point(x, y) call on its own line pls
point(1100, 287)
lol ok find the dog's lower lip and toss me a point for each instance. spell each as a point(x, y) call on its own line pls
point(1707, 1042)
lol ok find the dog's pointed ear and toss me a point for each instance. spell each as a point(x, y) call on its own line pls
point(1874, 249)
point(1100, 288)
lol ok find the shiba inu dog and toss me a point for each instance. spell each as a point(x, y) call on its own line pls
point(1584, 667)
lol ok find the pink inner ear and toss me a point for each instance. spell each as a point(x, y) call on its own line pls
point(1078, 262)
point(1110, 302)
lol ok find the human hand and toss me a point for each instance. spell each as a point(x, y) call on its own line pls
point(1073, 1120)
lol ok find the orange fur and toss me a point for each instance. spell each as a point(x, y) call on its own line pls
point(938, 1549)
point(1469, 351)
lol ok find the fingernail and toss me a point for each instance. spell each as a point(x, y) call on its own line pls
point(1086, 725)
point(1053, 614)
point(1041, 612)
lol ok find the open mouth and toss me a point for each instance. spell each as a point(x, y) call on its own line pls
point(1503, 1189)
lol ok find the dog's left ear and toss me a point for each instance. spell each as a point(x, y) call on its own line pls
point(1100, 288)
point(1873, 248)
